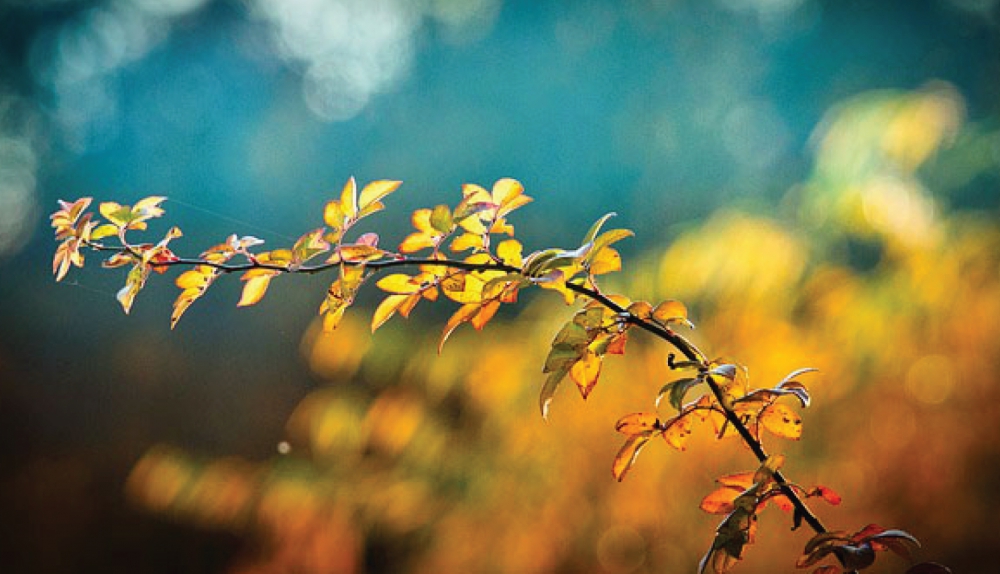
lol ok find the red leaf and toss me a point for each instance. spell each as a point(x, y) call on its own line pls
point(828, 495)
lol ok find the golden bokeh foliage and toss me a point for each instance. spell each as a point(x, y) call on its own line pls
point(404, 460)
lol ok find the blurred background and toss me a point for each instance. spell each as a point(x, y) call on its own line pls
point(818, 180)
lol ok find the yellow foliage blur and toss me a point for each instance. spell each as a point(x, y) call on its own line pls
point(406, 461)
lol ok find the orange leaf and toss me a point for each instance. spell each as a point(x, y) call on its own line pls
point(720, 500)
point(617, 344)
point(781, 421)
point(627, 454)
point(739, 480)
point(637, 423)
point(826, 494)
point(678, 430)
point(486, 312)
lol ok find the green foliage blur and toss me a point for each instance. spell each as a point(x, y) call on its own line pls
point(818, 181)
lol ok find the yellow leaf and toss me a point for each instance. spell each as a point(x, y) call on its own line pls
point(627, 454)
point(509, 251)
point(134, 282)
point(66, 217)
point(102, 231)
point(640, 309)
point(386, 309)
point(505, 190)
point(606, 260)
point(467, 241)
point(375, 191)
point(669, 311)
point(349, 199)
point(463, 287)
point(585, 372)
point(357, 252)
point(257, 281)
point(476, 194)
point(465, 313)
point(332, 317)
point(398, 283)
point(782, 421)
point(148, 207)
point(115, 212)
point(556, 281)
point(425, 236)
point(193, 278)
point(333, 215)
point(416, 242)
point(508, 195)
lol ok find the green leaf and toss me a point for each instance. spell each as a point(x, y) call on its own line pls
point(562, 356)
point(606, 239)
point(571, 335)
point(676, 391)
point(552, 383)
point(596, 228)
point(309, 245)
point(768, 468)
point(134, 282)
point(118, 214)
point(441, 219)
point(102, 231)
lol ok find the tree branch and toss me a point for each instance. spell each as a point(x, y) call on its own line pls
point(682, 344)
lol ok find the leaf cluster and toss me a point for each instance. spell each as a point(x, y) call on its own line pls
point(453, 251)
